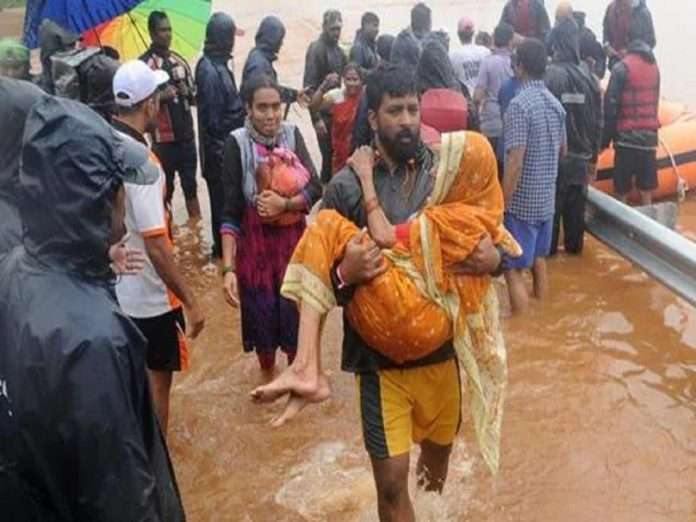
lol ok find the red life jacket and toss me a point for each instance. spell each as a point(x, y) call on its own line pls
point(641, 96)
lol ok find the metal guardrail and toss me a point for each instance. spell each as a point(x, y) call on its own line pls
point(664, 254)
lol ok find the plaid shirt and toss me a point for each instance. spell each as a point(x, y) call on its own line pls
point(535, 121)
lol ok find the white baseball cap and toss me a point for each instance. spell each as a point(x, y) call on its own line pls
point(135, 81)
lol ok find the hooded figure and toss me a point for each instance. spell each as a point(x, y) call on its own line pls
point(18, 97)
point(79, 439)
point(406, 49)
point(625, 21)
point(591, 50)
point(269, 40)
point(578, 91)
point(220, 111)
point(53, 39)
point(435, 69)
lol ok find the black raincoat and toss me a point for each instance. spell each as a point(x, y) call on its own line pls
point(79, 440)
point(18, 97)
point(406, 49)
point(364, 52)
point(578, 91)
point(590, 47)
point(52, 39)
point(220, 106)
point(435, 70)
point(269, 39)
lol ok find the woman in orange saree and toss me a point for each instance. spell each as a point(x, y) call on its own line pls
point(419, 302)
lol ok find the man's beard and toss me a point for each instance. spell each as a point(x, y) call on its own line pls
point(400, 151)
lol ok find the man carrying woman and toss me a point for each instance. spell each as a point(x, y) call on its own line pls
point(407, 375)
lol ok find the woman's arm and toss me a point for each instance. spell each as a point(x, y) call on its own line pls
point(381, 230)
point(321, 102)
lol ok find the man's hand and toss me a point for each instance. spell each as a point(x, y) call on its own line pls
point(482, 261)
point(362, 261)
point(124, 260)
point(320, 128)
point(304, 99)
point(168, 93)
point(363, 162)
point(332, 80)
point(270, 204)
point(591, 173)
point(229, 286)
point(194, 320)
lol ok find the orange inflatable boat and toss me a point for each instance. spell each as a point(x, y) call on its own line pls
point(676, 155)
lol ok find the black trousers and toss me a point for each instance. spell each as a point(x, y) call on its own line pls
point(179, 157)
point(212, 173)
point(326, 149)
point(571, 200)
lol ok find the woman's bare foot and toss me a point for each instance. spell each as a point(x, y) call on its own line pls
point(296, 379)
point(296, 403)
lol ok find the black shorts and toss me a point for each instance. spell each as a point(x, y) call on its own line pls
point(166, 341)
point(182, 158)
point(630, 163)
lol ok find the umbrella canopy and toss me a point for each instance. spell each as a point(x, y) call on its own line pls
point(75, 15)
point(128, 33)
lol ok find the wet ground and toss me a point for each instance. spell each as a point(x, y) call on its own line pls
point(600, 421)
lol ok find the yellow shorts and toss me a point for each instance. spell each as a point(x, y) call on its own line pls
point(400, 407)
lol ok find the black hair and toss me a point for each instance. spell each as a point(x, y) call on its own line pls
point(123, 110)
point(256, 82)
point(352, 66)
point(503, 35)
point(421, 16)
point(154, 19)
point(484, 38)
point(532, 56)
point(466, 36)
point(369, 18)
point(393, 80)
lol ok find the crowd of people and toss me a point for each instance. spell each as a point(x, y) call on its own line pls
point(442, 167)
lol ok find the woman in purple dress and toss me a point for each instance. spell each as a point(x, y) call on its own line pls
point(270, 184)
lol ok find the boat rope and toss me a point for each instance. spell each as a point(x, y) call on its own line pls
point(682, 185)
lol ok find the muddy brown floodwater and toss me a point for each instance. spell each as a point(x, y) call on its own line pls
point(600, 421)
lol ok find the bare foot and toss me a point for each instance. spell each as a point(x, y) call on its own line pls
point(296, 403)
point(298, 380)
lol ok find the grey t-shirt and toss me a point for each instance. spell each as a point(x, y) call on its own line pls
point(494, 72)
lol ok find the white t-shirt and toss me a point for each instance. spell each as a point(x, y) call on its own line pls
point(145, 295)
point(466, 62)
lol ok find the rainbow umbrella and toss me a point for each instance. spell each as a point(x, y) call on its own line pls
point(128, 33)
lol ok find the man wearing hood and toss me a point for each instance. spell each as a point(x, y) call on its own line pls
point(220, 111)
point(324, 62)
point(573, 85)
point(269, 40)
point(364, 50)
point(528, 18)
point(409, 42)
point(625, 21)
point(53, 39)
point(18, 97)
point(79, 439)
point(631, 121)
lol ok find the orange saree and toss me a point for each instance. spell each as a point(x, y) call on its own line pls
point(419, 303)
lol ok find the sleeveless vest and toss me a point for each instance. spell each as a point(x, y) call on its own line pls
point(640, 99)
